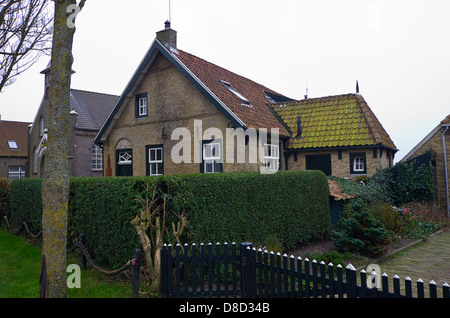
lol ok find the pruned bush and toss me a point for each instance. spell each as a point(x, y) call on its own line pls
point(292, 206)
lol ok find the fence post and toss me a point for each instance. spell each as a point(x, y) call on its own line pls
point(83, 257)
point(136, 272)
point(351, 281)
point(245, 269)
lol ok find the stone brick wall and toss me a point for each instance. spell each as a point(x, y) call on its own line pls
point(7, 162)
point(434, 144)
point(340, 164)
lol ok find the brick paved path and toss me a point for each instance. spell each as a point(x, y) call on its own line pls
point(429, 260)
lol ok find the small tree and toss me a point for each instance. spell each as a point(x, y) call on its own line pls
point(151, 227)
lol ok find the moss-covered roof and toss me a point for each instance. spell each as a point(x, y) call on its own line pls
point(333, 121)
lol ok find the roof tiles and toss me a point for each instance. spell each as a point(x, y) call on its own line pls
point(255, 115)
point(333, 121)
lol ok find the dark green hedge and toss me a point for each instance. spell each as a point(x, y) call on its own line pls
point(226, 207)
point(4, 196)
point(251, 206)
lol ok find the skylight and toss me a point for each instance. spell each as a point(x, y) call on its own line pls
point(12, 144)
point(241, 97)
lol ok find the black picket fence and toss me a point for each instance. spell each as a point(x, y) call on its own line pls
point(228, 271)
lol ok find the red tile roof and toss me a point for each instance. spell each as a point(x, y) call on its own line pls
point(13, 131)
point(258, 115)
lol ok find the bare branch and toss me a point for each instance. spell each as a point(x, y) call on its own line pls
point(25, 35)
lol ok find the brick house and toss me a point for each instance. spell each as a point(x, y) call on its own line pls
point(88, 112)
point(172, 89)
point(339, 135)
point(13, 149)
point(436, 147)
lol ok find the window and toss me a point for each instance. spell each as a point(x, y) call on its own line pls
point(141, 105)
point(155, 160)
point(271, 157)
point(357, 163)
point(96, 158)
point(35, 160)
point(241, 97)
point(41, 127)
point(124, 159)
point(16, 172)
point(12, 144)
point(211, 157)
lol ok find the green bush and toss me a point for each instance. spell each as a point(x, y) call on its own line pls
point(4, 196)
point(413, 183)
point(359, 232)
point(289, 206)
point(239, 207)
point(26, 202)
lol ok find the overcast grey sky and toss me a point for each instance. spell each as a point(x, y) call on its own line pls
point(399, 52)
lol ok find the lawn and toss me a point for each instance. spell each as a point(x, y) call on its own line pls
point(20, 263)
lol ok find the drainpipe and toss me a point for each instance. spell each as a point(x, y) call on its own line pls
point(445, 167)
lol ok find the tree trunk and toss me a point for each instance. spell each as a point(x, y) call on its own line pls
point(55, 185)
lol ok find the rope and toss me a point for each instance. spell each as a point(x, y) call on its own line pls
point(106, 272)
point(131, 262)
point(15, 232)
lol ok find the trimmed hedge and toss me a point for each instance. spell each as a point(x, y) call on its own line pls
point(225, 207)
point(4, 196)
point(241, 207)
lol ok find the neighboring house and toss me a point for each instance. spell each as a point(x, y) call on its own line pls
point(338, 135)
point(89, 111)
point(173, 89)
point(13, 149)
point(436, 147)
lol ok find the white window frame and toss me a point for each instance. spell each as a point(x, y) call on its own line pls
point(18, 174)
point(125, 157)
point(143, 106)
point(41, 127)
point(35, 160)
point(358, 163)
point(212, 158)
point(271, 157)
point(154, 161)
point(12, 144)
point(96, 158)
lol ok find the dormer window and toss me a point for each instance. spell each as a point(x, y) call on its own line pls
point(239, 96)
point(12, 144)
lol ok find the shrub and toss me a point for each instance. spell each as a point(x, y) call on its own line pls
point(413, 183)
point(389, 216)
point(291, 206)
point(359, 232)
point(4, 196)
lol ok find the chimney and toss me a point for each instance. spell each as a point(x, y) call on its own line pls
point(168, 36)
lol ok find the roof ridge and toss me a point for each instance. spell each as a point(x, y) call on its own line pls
point(100, 93)
point(314, 99)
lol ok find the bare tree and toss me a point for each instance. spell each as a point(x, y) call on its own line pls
point(25, 35)
point(55, 183)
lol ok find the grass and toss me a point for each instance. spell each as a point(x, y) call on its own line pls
point(20, 265)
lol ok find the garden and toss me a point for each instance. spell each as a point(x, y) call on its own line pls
point(287, 213)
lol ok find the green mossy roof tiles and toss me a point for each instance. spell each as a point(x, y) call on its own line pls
point(333, 121)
